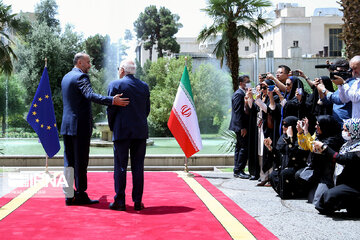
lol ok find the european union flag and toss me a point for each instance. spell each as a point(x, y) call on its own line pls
point(41, 117)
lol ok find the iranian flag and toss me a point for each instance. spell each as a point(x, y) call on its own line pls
point(183, 122)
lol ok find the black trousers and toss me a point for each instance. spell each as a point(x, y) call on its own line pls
point(76, 155)
point(241, 153)
point(340, 197)
point(137, 149)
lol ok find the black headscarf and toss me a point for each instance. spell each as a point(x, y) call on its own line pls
point(329, 126)
point(291, 121)
point(296, 83)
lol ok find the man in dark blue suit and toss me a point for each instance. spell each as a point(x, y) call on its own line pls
point(239, 124)
point(130, 131)
point(77, 125)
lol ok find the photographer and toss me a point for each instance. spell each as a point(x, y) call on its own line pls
point(351, 93)
point(341, 111)
point(282, 73)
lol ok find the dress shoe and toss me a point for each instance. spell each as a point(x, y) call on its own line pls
point(69, 201)
point(117, 206)
point(84, 201)
point(244, 175)
point(236, 175)
point(138, 206)
point(264, 183)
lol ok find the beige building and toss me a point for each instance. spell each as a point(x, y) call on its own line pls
point(315, 35)
point(292, 39)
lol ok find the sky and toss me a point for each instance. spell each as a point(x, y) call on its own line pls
point(112, 17)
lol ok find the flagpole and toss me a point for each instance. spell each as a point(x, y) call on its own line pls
point(186, 169)
point(46, 156)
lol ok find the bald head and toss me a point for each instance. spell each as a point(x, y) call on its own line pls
point(82, 61)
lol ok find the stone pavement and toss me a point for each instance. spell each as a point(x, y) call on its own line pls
point(286, 219)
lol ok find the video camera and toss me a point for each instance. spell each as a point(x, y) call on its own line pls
point(344, 73)
point(333, 67)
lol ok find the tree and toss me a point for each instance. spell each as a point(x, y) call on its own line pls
point(351, 27)
point(146, 27)
point(169, 26)
point(211, 83)
point(233, 19)
point(46, 11)
point(95, 47)
point(15, 99)
point(158, 27)
point(163, 78)
point(43, 43)
point(10, 25)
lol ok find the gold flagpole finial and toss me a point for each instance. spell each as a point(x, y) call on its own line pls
point(45, 62)
point(185, 60)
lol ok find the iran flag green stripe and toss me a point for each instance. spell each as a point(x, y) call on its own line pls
point(183, 122)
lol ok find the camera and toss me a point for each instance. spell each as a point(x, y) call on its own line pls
point(295, 73)
point(271, 88)
point(343, 74)
point(263, 75)
point(300, 91)
point(333, 67)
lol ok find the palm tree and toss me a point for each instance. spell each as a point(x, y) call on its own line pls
point(9, 24)
point(233, 19)
point(351, 27)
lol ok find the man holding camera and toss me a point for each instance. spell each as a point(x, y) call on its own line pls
point(282, 73)
point(341, 111)
point(350, 92)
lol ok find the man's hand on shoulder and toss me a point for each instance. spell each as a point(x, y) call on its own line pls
point(118, 101)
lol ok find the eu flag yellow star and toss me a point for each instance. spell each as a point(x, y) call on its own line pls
point(37, 120)
point(35, 105)
point(46, 96)
point(42, 125)
point(48, 128)
point(40, 99)
point(34, 113)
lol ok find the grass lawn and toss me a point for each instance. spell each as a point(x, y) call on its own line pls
point(211, 145)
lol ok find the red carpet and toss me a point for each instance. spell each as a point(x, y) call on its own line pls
point(173, 211)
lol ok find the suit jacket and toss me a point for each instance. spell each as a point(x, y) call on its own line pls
point(77, 96)
point(129, 122)
point(239, 119)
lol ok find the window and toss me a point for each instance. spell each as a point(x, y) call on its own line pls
point(246, 48)
point(335, 43)
point(295, 43)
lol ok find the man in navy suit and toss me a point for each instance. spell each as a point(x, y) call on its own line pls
point(239, 124)
point(130, 131)
point(77, 125)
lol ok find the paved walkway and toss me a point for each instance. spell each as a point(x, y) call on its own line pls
point(286, 219)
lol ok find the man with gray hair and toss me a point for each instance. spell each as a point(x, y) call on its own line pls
point(130, 131)
point(77, 125)
point(351, 93)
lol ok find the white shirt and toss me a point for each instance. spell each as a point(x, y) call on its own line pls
point(347, 94)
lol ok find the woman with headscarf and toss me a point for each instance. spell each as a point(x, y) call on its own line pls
point(292, 101)
point(314, 103)
point(289, 160)
point(346, 193)
point(319, 170)
point(267, 127)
